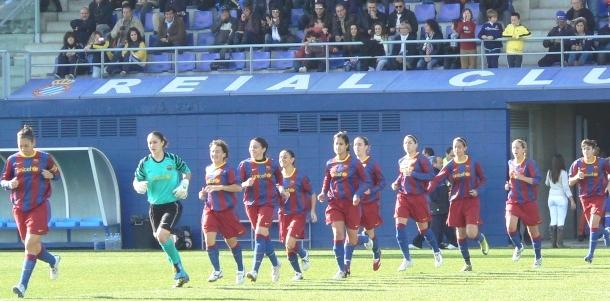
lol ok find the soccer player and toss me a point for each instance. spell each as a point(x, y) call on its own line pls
point(415, 171)
point(467, 179)
point(522, 202)
point(261, 179)
point(219, 196)
point(344, 184)
point(590, 173)
point(164, 177)
point(27, 174)
point(296, 201)
point(371, 216)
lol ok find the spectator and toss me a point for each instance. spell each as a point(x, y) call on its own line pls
point(98, 42)
point(373, 16)
point(559, 193)
point(70, 43)
point(101, 11)
point(500, 6)
point(264, 8)
point(515, 32)
point(179, 6)
point(490, 32)
point(122, 26)
point(439, 209)
point(466, 29)
point(223, 29)
point(320, 15)
point(171, 30)
point(249, 29)
point(452, 48)
point(276, 28)
point(310, 51)
point(448, 155)
point(312, 8)
point(430, 50)
point(137, 57)
point(380, 35)
point(562, 29)
point(577, 11)
point(118, 4)
point(399, 15)
point(603, 45)
point(428, 152)
point(145, 6)
point(580, 44)
point(354, 51)
point(404, 34)
point(341, 22)
point(83, 27)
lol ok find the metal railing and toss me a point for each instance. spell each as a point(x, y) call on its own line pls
point(249, 59)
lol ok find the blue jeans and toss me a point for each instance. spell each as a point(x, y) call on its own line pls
point(578, 59)
point(422, 64)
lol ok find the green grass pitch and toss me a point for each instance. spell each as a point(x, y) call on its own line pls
point(146, 275)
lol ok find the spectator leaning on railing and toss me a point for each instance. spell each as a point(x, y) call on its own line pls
point(466, 28)
point(98, 41)
point(603, 44)
point(580, 44)
point(490, 32)
point(137, 57)
point(70, 43)
point(515, 32)
point(83, 27)
point(309, 51)
point(554, 45)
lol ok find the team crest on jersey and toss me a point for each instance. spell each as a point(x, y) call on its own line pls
point(56, 87)
point(169, 167)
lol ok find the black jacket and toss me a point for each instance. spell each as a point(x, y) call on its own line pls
point(102, 13)
point(83, 29)
point(557, 32)
point(407, 16)
point(410, 48)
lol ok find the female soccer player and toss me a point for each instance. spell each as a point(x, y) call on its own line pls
point(218, 193)
point(261, 178)
point(27, 174)
point(415, 171)
point(296, 201)
point(344, 184)
point(591, 174)
point(371, 216)
point(164, 177)
point(466, 178)
point(522, 201)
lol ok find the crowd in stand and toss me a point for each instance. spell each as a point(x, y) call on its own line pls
point(370, 22)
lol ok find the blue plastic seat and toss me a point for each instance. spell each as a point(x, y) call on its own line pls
point(260, 60)
point(335, 64)
point(296, 15)
point(202, 20)
point(449, 12)
point(209, 57)
point(64, 222)
point(285, 64)
point(189, 39)
point(474, 7)
point(91, 222)
point(152, 40)
point(424, 12)
point(205, 39)
point(186, 57)
point(163, 65)
point(238, 62)
point(148, 22)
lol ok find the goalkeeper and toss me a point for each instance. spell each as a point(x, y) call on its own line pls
point(164, 177)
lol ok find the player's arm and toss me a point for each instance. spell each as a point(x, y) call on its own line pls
point(306, 184)
point(325, 184)
point(379, 179)
point(140, 185)
point(575, 174)
point(9, 181)
point(440, 177)
point(51, 172)
point(427, 173)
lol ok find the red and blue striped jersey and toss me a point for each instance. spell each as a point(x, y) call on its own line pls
point(520, 191)
point(421, 173)
point(220, 175)
point(595, 181)
point(463, 177)
point(266, 175)
point(345, 178)
point(300, 194)
point(33, 189)
point(373, 170)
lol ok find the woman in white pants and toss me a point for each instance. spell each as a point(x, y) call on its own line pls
point(559, 193)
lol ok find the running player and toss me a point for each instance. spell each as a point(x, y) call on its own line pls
point(344, 184)
point(415, 171)
point(522, 202)
point(466, 178)
point(591, 174)
point(27, 174)
point(164, 177)
point(296, 201)
point(219, 196)
point(370, 204)
point(261, 179)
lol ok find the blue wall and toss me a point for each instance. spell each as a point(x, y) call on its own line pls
point(191, 123)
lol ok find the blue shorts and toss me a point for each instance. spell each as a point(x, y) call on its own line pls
point(607, 205)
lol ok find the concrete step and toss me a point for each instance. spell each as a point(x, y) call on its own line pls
point(58, 26)
point(48, 17)
point(542, 13)
point(68, 16)
point(44, 46)
point(542, 25)
point(555, 4)
point(52, 37)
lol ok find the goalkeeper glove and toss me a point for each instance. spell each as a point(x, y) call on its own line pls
point(181, 192)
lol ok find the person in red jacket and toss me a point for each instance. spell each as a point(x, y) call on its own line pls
point(466, 29)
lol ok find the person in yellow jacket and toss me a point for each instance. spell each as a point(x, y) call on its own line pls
point(98, 41)
point(134, 60)
point(515, 32)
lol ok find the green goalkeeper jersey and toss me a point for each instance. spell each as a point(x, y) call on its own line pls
point(163, 177)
